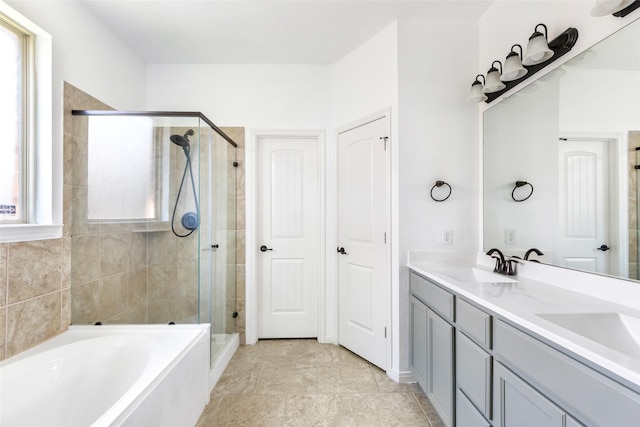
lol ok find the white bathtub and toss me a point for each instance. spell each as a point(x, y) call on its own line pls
point(136, 375)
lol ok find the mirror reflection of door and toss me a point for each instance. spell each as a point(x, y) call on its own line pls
point(586, 193)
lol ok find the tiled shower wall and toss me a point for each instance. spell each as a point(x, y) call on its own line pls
point(111, 262)
point(238, 135)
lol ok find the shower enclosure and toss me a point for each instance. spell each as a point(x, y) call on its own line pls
point(153, 230)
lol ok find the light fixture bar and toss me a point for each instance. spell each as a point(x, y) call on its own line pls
point(627, 10)
point(560, 46)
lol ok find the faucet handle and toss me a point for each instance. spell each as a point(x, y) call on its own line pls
point(499, 265)
point(511, 267)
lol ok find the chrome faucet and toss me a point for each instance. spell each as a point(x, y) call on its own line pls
point(503, 266)
point(537, 252)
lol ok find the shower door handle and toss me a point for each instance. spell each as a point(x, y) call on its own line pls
point(263, 248)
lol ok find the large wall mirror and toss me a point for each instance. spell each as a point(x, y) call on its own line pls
point(572, 135)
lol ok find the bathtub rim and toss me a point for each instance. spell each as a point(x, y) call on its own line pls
point(122, 409)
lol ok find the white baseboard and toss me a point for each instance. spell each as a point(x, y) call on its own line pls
point(404, 377)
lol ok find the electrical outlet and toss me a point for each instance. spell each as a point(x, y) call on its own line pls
point(510, 237)
point(447, 237)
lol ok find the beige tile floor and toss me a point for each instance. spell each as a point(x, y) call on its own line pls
point(304, 383)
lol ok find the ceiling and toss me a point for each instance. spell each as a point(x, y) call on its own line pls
point(262, 31)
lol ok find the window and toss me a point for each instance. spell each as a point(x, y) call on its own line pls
point(14, 86)
point(26, 148)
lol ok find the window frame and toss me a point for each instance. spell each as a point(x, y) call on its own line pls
point(41, 218)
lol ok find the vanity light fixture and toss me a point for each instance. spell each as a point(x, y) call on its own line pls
point(501, 80)
point(513, 68)
point(538, 48)
point(475, 93)
point(493, 83)
point(619, 8)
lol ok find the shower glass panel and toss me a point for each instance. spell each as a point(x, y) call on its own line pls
point(153, 221)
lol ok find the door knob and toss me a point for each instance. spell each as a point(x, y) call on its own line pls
point(341, 251)
point(603, 248)
point(263, 248)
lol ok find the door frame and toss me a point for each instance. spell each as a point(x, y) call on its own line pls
point(618, 196)
point(390, 237)
point(251, 282)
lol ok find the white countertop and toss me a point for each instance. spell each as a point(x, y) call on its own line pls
point(521, 301)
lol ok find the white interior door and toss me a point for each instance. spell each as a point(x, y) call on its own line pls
point(363, 217)
point(288, 237)
point(584, 205)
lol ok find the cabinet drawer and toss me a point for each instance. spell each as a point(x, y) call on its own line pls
point(475, 322)
point(432, 295)
point(466, 413)
point(599, 399)
point(473, 373)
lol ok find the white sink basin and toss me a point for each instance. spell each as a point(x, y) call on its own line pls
point(473, 275)
point(619, 332)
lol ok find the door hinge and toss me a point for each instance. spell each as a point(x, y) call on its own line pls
point(385, 139)
point(385, 331)
point(385, 237)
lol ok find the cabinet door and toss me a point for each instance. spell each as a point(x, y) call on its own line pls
point(440, 366)
point(473, 373)
point(466, 414)
point(520, 405)
point(419, 342)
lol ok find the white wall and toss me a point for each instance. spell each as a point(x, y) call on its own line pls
point(90, 57)
point(254, 96)
point(438, 134)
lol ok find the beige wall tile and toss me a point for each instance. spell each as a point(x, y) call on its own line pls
point(67, 209)
point(68, 159)
point(137, 291)
point(138, 252)
point(161, 311)
point(187, 250)
point(34, 268)
point(31, 322)
point(113, 295)
point(66, 262)
point(85, 259)
point(3, 274)
point(114, 253)
point(161, 248)
point(79, 222)
point(163, 280)
point(187, 281)
point(65, 309)
point(3, 330)
point(85, 303)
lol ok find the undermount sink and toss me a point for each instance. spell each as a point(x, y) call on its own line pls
point(617, 331)
point(474, 275)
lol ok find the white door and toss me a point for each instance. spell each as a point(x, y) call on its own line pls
point(287, 235)
point(584, 205)
point(363, 217)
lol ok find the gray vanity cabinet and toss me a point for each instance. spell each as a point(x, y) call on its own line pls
point(466, 413)
point(419, 341)
point(520, 405)
point(432, 344)
point(440, 366)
